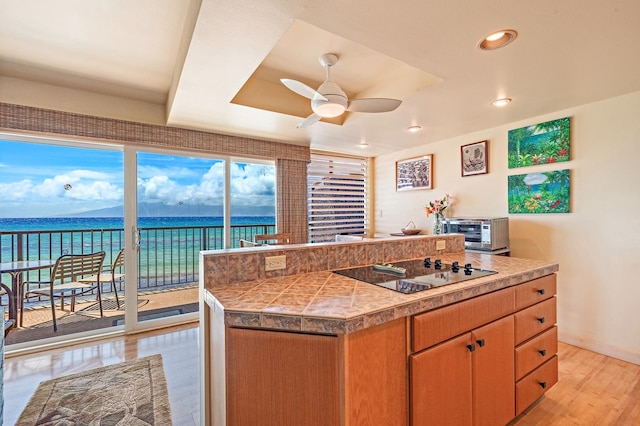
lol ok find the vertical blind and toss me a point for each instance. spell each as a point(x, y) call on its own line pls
point(337, 192)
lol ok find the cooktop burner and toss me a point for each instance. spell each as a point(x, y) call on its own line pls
point(419, 275)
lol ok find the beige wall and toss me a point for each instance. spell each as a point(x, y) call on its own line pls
point(39, 95)
point(597, 245)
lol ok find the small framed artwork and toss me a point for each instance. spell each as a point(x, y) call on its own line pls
point(474, 158)
point(414, 173)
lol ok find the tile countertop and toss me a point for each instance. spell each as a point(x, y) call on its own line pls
point(328, 303)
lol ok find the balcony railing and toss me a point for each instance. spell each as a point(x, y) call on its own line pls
point(168, 256)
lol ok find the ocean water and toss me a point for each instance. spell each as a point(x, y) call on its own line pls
point(169, 246)
point(74, 223)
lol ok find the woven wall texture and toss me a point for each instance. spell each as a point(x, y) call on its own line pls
point(25, 119)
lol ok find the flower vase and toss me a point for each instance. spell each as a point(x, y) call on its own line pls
point(437, 224)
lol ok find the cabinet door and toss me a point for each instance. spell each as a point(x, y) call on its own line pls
point(441, 384)
point(493, 373)
point(278, 378)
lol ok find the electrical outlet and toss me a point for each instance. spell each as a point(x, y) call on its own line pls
point(441, 244)
point(274, 263)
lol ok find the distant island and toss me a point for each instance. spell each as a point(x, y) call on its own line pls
point(153, 210)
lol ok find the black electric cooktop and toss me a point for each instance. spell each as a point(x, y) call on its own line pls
point(419, 275)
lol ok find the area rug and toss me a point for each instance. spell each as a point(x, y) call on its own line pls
point(128, 393)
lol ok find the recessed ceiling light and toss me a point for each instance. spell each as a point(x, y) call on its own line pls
point(363, 144)
point(497, 39)
point(414, 129)
point(501, 102)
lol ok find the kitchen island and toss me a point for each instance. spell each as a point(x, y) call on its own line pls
point(307, 346)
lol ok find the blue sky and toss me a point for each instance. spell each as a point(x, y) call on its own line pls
point(39, 180)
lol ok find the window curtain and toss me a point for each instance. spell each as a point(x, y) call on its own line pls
point(291, 210)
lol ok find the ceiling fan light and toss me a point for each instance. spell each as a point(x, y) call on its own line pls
point(334, 106)
point(329, 109)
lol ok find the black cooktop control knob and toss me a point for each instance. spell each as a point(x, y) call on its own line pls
point(467, 269)
point(455, 266)
point(427, 262)
point(438, 264)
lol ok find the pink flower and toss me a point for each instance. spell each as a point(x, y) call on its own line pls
point(439, 205)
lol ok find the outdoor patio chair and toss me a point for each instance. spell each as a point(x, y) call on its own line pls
point(281, 238)
point(112, 274)
point(65, 281)
point(9, 322)
point(247, 243)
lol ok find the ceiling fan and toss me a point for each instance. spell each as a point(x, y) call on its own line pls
point(330, 101)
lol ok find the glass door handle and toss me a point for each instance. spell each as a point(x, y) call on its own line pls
point(136, 239)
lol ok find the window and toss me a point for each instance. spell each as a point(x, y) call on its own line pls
point(71, 197)
point(337, 196)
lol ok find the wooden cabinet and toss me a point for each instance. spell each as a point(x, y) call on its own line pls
point(535, 291)
point(484, 360)
point(436, 326)
point(534, 384)
point(440, 391)
point(285, 378)
point(467, 380)
point(493, 372)
point(536, 351)
point(268, 373)
point(481, 361)
point(536, 337)
point(535, 319)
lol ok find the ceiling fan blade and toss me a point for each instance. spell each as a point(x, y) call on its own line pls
point(373, 105)
point(309, 121)
point(302, 89)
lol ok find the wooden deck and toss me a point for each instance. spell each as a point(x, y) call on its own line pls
point(37, 323)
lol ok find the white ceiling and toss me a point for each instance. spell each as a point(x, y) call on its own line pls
point(194, 57)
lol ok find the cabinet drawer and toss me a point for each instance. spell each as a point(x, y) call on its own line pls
point(534, 352)
point(444, 323)
point(533, 385)
point(535, 291)
point(535, 319)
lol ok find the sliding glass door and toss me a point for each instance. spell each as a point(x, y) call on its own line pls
point(155, 210)
point(180, 211)
point(59, 198)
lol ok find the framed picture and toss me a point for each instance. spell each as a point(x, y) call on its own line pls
point(414, 173)
point(474, 158)
point(542, 143)
point(544, 192)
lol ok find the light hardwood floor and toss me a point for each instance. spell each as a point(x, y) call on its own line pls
point(177, 345)
point(593, 389)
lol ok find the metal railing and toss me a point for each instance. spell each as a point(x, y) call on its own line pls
point(168, 255)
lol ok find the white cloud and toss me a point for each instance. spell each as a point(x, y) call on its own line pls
point(15, 190)
point(80, 185)
point(251, 184)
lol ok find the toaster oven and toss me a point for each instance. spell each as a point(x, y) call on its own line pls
point(480, 233)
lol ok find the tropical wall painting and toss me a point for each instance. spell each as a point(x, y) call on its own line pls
point(546, 192)
point(541, 143)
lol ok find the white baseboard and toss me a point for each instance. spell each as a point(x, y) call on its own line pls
point(601, 348)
